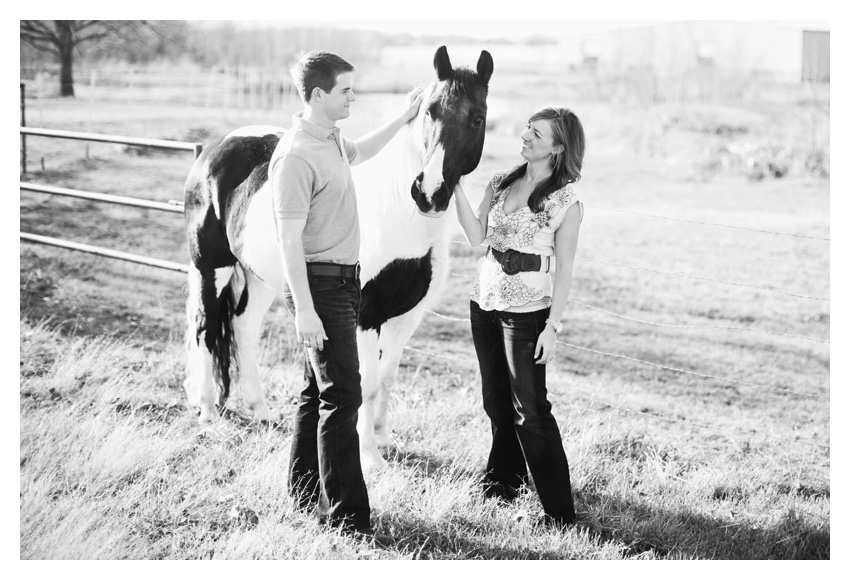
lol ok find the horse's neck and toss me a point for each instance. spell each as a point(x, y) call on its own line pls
point(388, 215)
point(384, 181)
point(397, 165)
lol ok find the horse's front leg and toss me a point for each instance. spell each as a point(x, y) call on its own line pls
point(367, 345)
point(387, 375)
point(394, 336)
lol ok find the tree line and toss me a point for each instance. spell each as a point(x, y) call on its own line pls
point(55, 45)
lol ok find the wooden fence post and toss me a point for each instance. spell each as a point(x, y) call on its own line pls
point(23, 124)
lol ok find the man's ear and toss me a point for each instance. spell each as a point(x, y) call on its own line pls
point(317, 92)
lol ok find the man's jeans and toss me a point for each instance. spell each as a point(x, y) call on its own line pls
point(324, 469)
point(514, 393)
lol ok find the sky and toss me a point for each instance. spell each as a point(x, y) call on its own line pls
point(508, 29)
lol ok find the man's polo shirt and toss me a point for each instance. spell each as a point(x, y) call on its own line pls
point(310, 176)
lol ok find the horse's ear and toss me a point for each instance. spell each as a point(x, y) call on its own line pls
point(442, 64)
point(485, 67)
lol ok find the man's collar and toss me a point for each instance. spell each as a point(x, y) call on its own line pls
point(309, 127)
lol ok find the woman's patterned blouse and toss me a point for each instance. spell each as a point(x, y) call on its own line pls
point(527, 232)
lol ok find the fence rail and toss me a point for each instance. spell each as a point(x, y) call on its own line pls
point(174, 207)
point(117, 199)
point(97, 250)
point(120, 139)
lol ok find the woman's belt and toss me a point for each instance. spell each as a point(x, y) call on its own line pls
point(514, 262)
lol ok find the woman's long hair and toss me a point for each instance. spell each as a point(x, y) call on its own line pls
point(566, 165)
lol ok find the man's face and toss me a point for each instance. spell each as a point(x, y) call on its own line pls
point(336, 103)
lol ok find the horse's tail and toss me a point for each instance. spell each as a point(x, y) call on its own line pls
point(210, 328)
point(223, 347)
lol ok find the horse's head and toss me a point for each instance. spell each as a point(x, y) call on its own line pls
point(451, 125)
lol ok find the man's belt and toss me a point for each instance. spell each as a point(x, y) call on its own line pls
point(331, 270)
point(514, 262)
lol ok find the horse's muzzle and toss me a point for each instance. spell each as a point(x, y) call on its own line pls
point(430, 206)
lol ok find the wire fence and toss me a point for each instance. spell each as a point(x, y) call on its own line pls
point(618, 407)
point(711, 224)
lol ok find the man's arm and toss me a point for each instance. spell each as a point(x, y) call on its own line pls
point(370, 144)
point(291, 181)
point(308, 325)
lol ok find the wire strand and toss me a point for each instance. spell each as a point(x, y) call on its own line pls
point(620, 407)
point(745, 383)
point(678, 370)
point(683, 275)
point(662, 217)
point(698, 326)
point(686, 275)
point(689, 422)
point(692, 326)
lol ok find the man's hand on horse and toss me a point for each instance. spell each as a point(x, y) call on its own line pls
point(411, 112)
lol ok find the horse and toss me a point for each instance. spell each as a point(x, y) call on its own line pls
point(403, 195)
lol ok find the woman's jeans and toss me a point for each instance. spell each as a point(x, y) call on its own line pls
point(324, 469)
point(514, 393)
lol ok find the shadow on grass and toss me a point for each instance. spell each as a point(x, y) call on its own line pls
point(685, 534)
point(636, 529)
point(426, 464)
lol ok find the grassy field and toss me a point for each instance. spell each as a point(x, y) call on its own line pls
point(729, 462)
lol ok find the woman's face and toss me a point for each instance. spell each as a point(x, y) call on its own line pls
point(537, 141)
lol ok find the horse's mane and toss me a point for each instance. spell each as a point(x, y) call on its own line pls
point(463, 82)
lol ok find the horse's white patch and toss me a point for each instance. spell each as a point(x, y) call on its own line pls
point(433, 178)
point(222, 277)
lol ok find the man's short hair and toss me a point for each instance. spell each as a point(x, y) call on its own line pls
point(317, 69)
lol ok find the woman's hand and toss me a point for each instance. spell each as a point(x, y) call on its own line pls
point(544, 352)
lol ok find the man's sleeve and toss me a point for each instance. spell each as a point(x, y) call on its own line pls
point(351, 151)
point(292, 182)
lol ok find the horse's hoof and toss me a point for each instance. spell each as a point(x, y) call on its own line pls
point(262, 413)
point(371, 462)
point(207, 415)
point(384, 440)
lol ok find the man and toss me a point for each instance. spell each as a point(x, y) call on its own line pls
point(319, 237)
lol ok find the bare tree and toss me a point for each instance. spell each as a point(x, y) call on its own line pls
point(61, 37)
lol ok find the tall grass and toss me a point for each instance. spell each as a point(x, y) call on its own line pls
point(665, 465)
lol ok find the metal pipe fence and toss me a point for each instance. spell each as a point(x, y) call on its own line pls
point(173, 207)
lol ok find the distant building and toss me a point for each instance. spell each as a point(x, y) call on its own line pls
point(776, 52)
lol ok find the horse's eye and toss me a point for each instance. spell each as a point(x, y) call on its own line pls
point(478, 122)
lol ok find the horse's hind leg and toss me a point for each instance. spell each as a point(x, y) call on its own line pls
point(247, 325)
point(202, 311)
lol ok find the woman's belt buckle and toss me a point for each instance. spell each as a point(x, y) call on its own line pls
point(513, 262)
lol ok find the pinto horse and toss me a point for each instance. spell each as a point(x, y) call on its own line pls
point(402, 196)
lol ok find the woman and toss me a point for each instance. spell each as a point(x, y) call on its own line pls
point(530, 218)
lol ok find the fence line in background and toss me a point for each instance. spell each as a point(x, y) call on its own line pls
point(658, 365)
point(689, 422)
point(620, 407)
point(106, 252)
point(664, 325)
point(685, 275)
point(195, 148)
point(745, 383)
point(698, 326)
point(119, 139)
point(682, 274)
point(661, 217)
point(177, 208)
point(90, 195)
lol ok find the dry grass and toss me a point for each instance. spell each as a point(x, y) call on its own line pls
point(665, 465)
